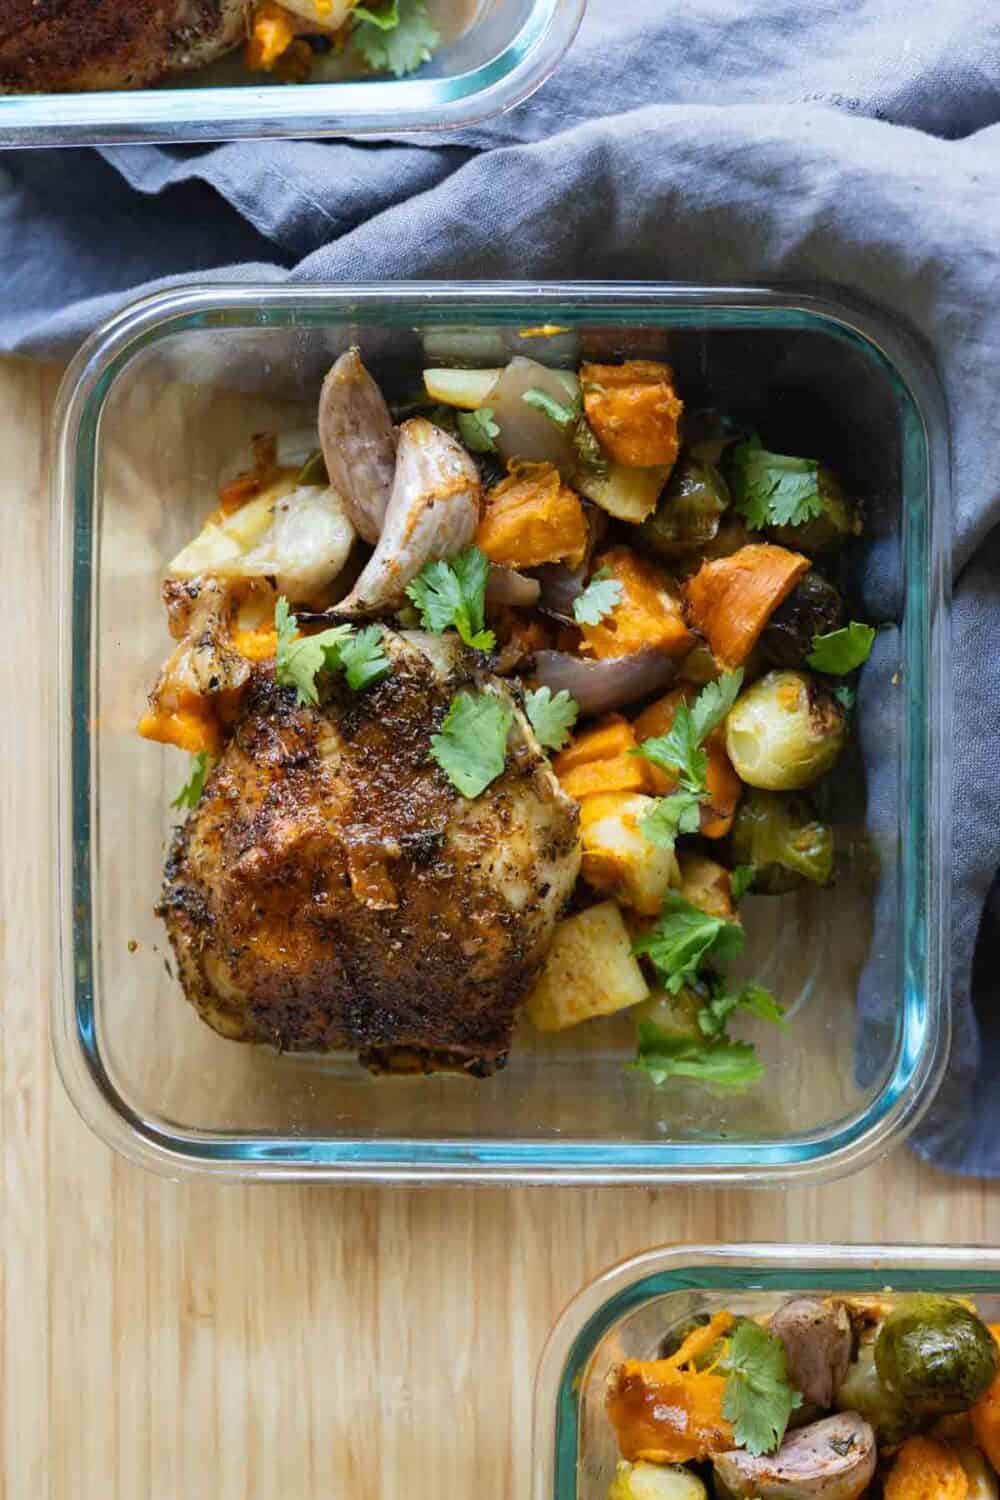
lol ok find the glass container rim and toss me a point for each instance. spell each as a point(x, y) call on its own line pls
point(817, 1156)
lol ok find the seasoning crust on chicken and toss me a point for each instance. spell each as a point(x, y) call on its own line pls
point(333, 890)
point(104, 44)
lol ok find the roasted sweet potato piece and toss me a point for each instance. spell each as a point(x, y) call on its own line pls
point(731, 599)
point(532, 518)
point(724, 786)
point(634, 411)
point(649, 614)
point(614, 735)
point(926, 1470)
point(665, 1410)
point(985, 1416)
point(616, 773)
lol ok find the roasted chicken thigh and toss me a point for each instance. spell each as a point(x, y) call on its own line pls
point(333, 890)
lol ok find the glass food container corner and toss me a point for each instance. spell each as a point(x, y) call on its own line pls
point(625, 1312)
point(154, 407)
point(494, 54)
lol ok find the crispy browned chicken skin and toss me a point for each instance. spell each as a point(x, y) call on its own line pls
point(333, 890)
point(52, 45)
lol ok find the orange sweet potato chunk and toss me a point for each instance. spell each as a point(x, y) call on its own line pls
point(532, 518)
point(985, 1416)
point(616, 773)
point(926, 1470)
point(634, 411)
point(664, 1410)
point(612, 736)
point(649, 614)
point(724, 786)
point(731, 599)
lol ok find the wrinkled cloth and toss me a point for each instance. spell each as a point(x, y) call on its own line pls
point(851, 143)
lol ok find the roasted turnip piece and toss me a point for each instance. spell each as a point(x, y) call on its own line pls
point(817, 1339)
point(829, 1460)
point(358, 442)
point(433, 513)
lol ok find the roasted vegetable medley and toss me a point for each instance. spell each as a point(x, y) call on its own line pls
point(829, 1398)
point(639, 606)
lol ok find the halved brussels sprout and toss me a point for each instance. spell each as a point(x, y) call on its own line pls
point(785, 732)
point(687, 517)
point(813, 607)
point(644, 1481)
point(935, 1354)
point(837, 521)
point(779, 834)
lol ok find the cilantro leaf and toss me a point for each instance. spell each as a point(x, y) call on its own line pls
point(846, 696)
point(758, 1398)
point(841, 651)
point(190, 793)
point(363, 658)
point(602, 594)
point(742, 880)
point(718, 1061)
point(714, 702)
point(298, 661)
point(551, 718)
point(454, 593)
point(562, 413)
point(713, 1018)
point(472, 746)
point(478, 430)
point(683, 937)
point(773, 489)
point(680, 812)
point(677, 752)
point(396, 38)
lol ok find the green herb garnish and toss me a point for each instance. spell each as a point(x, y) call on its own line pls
point(679, 754)
point(758, 1398)
point(471, 748)
point(453, 593)
point(842, 651)
point(562, 413)
point(683, 937)
point(300, 659)
point(190, 793)
point(772, 489)
point(395, 38)
point(602, 595)
point(741, 880)
point(713, 1018)
point(550, 717)
point(363, 658)
point(478, 430)
point(720, 1062)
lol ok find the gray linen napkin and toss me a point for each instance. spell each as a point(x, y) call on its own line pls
point(850, 142)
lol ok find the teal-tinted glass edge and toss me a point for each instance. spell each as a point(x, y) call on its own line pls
point(275, 1156)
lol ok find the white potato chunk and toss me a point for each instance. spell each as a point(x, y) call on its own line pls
point(619, 860)
point(627, 494)
point(465, 388)
point(590, 971)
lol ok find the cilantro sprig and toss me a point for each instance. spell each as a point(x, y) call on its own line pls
point(772, 489)
point(190, 793)
point(713, 1018)
point(602, 595)
point(720, 1061)
point(758, 1399)
point(299, 660)
point(562, 413)
point(741, 880)
point(471, 748)
point(478, 430)
point(550, 717)
point(842, 651)
point(683, 937)
point(395, 38)
point(679, 753)
point(453, 594)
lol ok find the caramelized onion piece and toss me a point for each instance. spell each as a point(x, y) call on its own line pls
point(358, 442)
point(599, 686)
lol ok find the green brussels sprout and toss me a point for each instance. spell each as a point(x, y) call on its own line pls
point(836, 522)
point(812, 608)
point(862, 1391)
point(779, 834)
point(644, 1481)
point(687, 516)
point(785, 732)
point(935, 1354)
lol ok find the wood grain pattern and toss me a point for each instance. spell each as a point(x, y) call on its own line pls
point(166, 1342)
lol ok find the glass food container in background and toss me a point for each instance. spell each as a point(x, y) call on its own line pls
point(625, 1313)
point(155, 407)
point(493, 55)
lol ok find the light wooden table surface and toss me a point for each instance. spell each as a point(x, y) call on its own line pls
point(165, 1342)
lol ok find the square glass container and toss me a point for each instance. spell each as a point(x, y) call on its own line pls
point(493, 55)
point(164, 398)
point(625, 1313)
